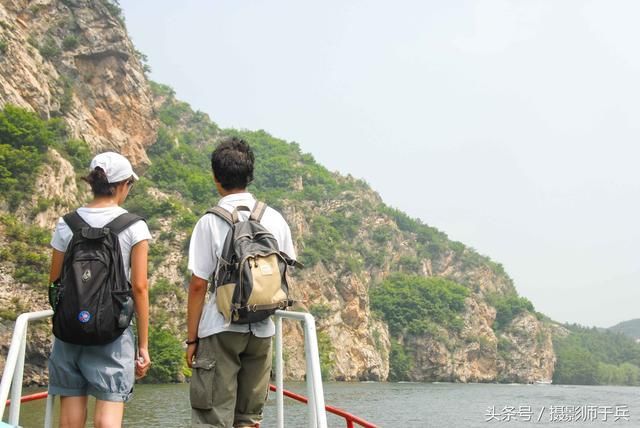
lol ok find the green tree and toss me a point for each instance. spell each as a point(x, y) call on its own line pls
point(592, 357)
point(577, 366)
point(400, 363)
point(413, 303)
point(507, 308)
point(24, 141)
point(325, 349)
point(167, 356)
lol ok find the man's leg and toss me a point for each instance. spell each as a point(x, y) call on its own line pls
point(214, 381)
point(253, 381)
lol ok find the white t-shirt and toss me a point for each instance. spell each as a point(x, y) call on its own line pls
point(98, 217)
point(205, 247)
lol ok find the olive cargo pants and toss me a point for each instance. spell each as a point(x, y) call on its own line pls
point(230, 380)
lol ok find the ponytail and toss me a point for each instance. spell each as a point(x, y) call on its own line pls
point(100, 186)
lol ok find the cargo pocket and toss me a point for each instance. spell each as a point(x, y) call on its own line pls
point(201, 388)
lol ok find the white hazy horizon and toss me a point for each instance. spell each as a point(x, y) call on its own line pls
point(510, 125)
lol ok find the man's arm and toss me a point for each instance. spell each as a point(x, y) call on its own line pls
point(195, 303)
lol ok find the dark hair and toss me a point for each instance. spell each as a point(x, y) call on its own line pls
point(100, 186)
point(232, 163)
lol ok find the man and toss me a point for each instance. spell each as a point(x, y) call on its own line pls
point(231, 362)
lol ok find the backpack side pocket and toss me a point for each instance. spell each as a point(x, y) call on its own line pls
point(123, 307)
point(224, 300)
point(54, 294)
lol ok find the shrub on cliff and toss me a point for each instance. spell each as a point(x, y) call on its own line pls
point(412, 303)
point(27, 248)
point(24, 141)
point(400, 363)
point(507, 308)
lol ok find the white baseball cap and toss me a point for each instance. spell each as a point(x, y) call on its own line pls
point(115, 166)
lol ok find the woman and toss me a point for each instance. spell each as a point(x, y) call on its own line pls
point(103, 371)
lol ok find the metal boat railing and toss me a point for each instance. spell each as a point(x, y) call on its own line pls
point(317, 414)
point(14, 371)
point(348, 417)
point(14, 368)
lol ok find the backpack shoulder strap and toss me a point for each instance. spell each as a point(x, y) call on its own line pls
point(74, 221)
point(123, 221)
point(258, 211)
point(230, 218)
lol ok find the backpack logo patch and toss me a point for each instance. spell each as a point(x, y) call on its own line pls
point(84, 316)
point(86, 276)
point(266, 269)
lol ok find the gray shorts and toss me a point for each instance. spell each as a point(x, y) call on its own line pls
point(106, 372)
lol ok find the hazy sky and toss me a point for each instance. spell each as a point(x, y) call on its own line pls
point(513, 126)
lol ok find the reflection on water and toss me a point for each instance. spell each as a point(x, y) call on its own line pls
point(408, 404)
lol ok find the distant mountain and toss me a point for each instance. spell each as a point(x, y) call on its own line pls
point(629, 328)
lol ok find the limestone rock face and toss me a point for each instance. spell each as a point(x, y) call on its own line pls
point(70, 59)
point(56, 184)
point(523, 353)
point(359, 344)
point(528, 355)
point(16, 298)
point(469, 356)
point(73, 59)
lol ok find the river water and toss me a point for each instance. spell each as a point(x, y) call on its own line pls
point(410, 405)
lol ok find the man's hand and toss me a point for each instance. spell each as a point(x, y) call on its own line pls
point(191, 354)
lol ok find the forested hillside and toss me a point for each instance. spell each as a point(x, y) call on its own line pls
point(629, 328)
point(345, 229)
point(588, 356)
point(393, 297)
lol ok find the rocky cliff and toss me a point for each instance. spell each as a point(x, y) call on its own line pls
point(72, 59)
point(521, 351)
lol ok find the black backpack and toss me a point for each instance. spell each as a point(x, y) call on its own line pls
point(250, 280)
point(92, 299)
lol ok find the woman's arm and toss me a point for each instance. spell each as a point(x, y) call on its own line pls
point(57, 257)
point(141, 300)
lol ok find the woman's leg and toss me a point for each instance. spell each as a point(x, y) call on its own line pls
point(73, 412)
point(108, 414)
point(109, 371)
